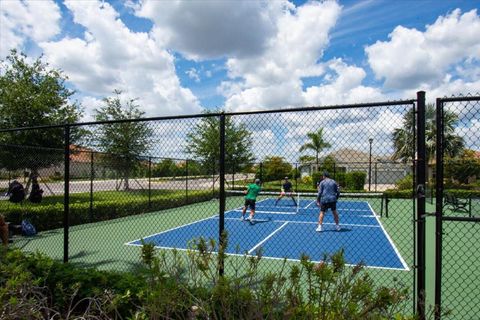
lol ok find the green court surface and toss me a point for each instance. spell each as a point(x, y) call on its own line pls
point(103, 245)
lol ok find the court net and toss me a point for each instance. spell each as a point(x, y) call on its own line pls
point(299, 201)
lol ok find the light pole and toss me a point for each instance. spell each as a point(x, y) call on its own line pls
point(370, 165)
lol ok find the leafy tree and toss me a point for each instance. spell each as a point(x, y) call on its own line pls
point(306, 159)
point(204, 140)
point(274, 168)
point(125, 143)
point(165, 168)
point(33, 94)
point(403, 138)
point(317, 143)
point(463, 167)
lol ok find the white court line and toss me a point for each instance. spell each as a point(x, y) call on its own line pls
point(178, 227)
point(390, 240)
point(315, 223)
point(271, 258)
point(268, 237)
point(260, 211)
point(310, 204)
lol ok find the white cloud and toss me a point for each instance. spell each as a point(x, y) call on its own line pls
point(293, 52)
point(273, 79)
point(413, 59)
point(213, 29)
point(192, 73)
point(24, 20)
point(345, 86)
point(112, 57)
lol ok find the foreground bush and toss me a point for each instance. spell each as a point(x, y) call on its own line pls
point(174, 285)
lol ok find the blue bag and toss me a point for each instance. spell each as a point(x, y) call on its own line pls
point(28, 229)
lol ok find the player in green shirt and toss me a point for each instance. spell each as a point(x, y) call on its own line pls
point(251, 197)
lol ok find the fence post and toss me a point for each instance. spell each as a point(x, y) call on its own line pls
point(438, 208)
point(66, 192)
point(149, 182)
point(222, 192)
point(92, 176)
point(376, 182)
point(420, 193)
point(186, 181)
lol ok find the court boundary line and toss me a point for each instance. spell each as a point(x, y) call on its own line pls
point(315, 223)
point(375, 215)
point(268, 257)
point(267, 237)
point(404, 263)
point(171, 229)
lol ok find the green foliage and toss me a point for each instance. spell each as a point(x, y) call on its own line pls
point(175, 285)
point(341, 178)
point(47, 216)
point(317, 143)
point(316, 178)
point(406, 183)
point(204, 140)
point(329, 165)
point(463, 167)
point(403, 138)
point(166, 168)
point(122, 142)
point(308, 180)
point(355, 180)
point(274, 168)
point(33, 286)
point(33, 94)
point(190, 285)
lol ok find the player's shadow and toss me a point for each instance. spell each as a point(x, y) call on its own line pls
point(257, 221)
point(335, 231)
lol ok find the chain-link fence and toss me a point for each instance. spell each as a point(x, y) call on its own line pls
point(458, 212)
point(167, 181)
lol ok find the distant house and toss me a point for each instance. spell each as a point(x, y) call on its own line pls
point(83, 163)
point(384, 170)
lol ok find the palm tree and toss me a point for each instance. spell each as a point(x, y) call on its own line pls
point(317, 143)
point(403, 138)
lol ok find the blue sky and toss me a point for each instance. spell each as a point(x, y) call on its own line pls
point(181, 57)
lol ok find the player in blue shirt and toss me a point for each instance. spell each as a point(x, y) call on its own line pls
point(328, 194)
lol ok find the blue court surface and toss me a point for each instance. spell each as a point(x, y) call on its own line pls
point(288, 231)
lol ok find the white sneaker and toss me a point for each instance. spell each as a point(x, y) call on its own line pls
point(338, 227)
point(242, 218)
point(319, 228)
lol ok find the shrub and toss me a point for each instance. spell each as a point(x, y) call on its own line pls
point(405, 183)
point(50, 216)
point(316, 178)
point(355, 180)
point(307, 180)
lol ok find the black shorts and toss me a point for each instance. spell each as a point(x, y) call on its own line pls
point(250, 203)
point(326, 206)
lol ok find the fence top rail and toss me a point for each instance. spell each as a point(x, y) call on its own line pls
point(216, 114)
point(459, 99)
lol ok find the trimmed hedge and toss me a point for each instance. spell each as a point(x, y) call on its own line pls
point(50, 216)
point(408, 194)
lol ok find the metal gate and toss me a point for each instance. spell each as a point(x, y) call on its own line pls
point(457, 207)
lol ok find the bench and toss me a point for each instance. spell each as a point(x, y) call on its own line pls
point(455, 204)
